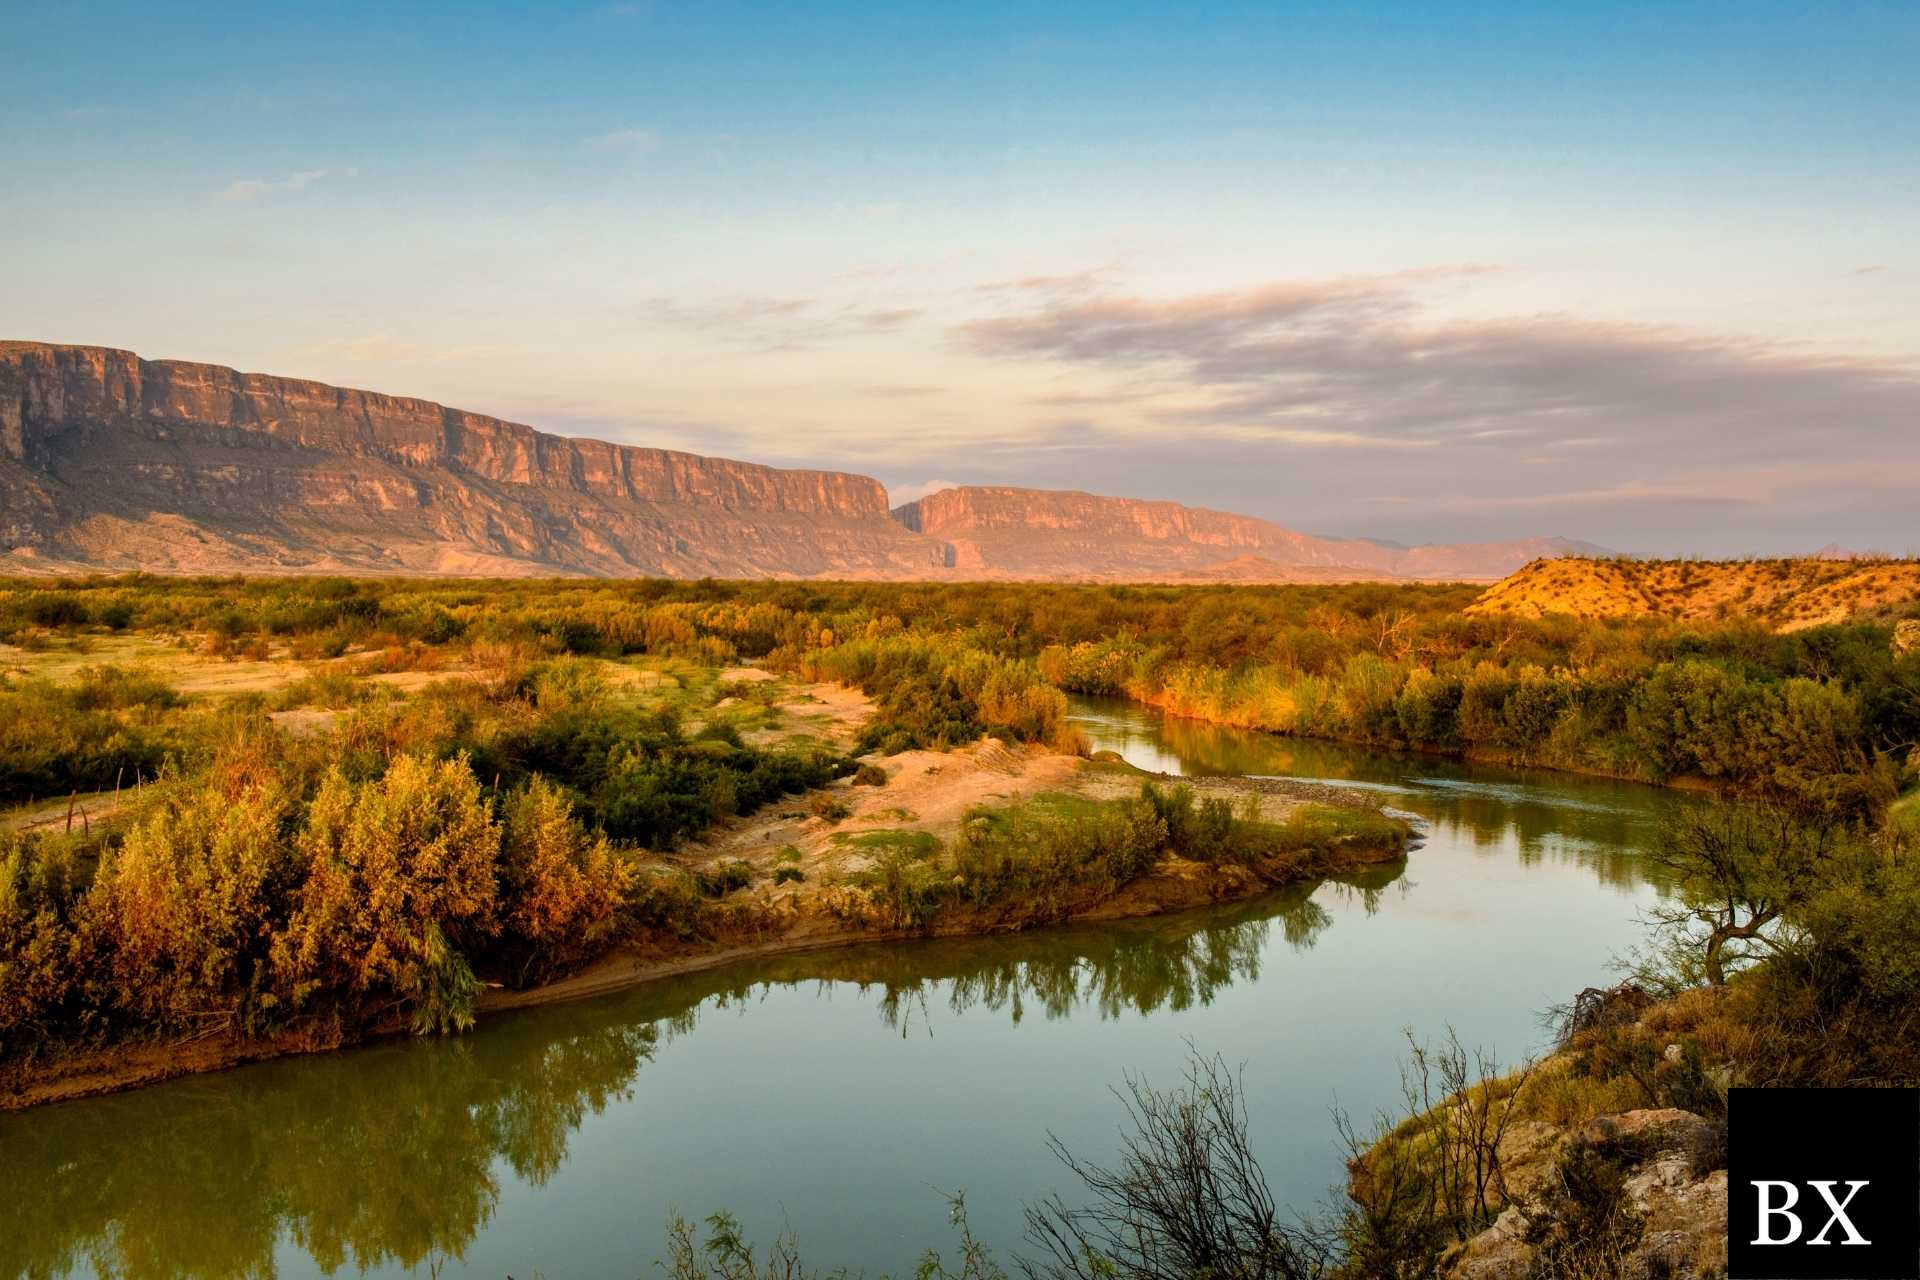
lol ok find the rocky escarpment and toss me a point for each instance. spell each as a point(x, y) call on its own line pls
point(1047, 533)
point(113, 461)
point(109, 461)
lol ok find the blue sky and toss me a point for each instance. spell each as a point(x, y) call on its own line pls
point(1648, 275)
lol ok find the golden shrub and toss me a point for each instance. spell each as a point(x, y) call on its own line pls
point(400, 872)
point(559, 887)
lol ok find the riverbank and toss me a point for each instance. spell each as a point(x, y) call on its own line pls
point(816, 873)
point(1480, 755)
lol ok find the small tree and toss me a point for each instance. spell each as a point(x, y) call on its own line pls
point(1735, 871)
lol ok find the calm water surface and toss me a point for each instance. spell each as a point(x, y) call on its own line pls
point(839, 1093)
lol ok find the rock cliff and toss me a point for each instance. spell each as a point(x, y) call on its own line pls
point(1050, 533)
point(117, 462)
point(109, 461)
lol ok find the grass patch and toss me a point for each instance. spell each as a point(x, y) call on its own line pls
point(916, 845)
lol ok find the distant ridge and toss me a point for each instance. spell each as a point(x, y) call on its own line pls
point(112, 462)
point(1055, 533)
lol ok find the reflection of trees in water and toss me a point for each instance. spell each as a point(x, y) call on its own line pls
point(388, 1154)
point(377, 1155)
point(1171, 962)
point(1541, 814)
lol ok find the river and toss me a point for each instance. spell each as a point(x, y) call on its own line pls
point(838, 1094)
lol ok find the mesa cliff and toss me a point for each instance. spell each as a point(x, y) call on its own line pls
point(1055, 533)
point(112, 462)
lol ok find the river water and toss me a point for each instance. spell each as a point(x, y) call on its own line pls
point(839, 1094)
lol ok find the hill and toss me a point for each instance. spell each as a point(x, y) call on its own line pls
point(1787, 595)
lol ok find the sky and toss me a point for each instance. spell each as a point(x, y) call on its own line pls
point(1646, 275)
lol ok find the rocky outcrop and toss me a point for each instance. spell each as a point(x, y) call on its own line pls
point(1673, 1195)
point(1050, 533)
point(113, 461)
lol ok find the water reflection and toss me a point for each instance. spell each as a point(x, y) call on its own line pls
point(385, 1153)
point(1538, 814)
point(395, 1154)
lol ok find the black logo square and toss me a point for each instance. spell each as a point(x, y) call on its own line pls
point(1823, 1184)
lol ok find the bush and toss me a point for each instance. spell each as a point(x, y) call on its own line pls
point(725, 878)
point(559, 888)
point(42, 970)
point(182, 915)
point(400, 873)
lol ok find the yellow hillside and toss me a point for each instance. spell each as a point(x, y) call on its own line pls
point(1784, 594)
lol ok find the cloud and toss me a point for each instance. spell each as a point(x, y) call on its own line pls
point(638, 142)
point(887, 319)
point(1073, 282)
point(736, 314)
point(781, 323)
point(245, 189)
point(1362, 361)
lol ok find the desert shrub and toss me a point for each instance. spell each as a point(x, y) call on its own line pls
point(725, 878)
point(42, 968)
point(1042, 859)
point(1193, 830)
point(85, 737)
point(182, 913)
point(400, 873)
point(1427, 709)
point(559, 887)
point(634, 775)
point(56, 609)
point(109, 688)
point(869, 775)
point(788, 875)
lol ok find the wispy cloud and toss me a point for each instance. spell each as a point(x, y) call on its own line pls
point(244, 189)
point(637, 142)
point(784, 323)
point(1359, 360)
point(1069, 283)
point(733, 314)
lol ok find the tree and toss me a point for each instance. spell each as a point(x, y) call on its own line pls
point(1736, 870)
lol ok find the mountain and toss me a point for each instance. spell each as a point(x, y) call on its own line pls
point(1787, 595)
point(112, 462)
point(1054, 533)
